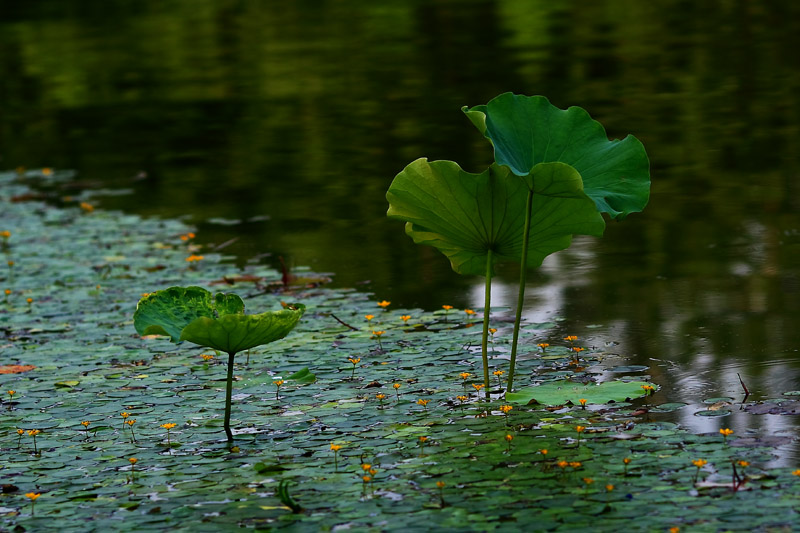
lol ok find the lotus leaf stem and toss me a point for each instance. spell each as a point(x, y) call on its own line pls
point(486, 311)
point(523, 271)
point(228, 393)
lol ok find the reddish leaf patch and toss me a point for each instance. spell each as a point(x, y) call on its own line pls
point(15, 369)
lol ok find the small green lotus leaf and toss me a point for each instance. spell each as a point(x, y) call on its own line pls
point(528, 130)
point(168, 311)
point(561, 392)
point(465, 215)
point(191, 314)
point(232, 333)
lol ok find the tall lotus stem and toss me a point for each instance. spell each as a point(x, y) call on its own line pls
point(523, 273)
point(487, 304)
point(228, 393)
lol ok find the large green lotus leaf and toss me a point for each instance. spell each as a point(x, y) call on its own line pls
point(465, 215)
point(168, 311)
point(528, 130)
point(233, 333)
point(561, 392)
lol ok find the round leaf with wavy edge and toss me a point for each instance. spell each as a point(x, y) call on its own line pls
point(233, 333)
point(465, 215)
point(528, 130)
point(191, 314)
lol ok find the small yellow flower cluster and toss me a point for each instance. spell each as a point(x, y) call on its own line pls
point(194, 258)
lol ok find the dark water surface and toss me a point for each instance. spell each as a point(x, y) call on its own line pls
point(295, 116)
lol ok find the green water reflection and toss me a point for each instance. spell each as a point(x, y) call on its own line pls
point(304, 112)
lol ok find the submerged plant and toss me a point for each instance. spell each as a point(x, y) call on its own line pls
point(218, 322)
point(555, 172)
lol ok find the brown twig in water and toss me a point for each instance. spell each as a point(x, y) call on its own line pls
point(286, 277)
point(738, 480)
point(746, 392)
point(340, 321)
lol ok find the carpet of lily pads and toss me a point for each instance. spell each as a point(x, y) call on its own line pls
point(365, 417)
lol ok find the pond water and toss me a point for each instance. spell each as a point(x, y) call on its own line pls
point(283, 126)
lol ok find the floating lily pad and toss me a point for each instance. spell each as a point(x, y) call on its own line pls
point(561, 392)
point(708, 412)
point(721, 399)
point(303, 377)
point(785, 407)
point(668, 407)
